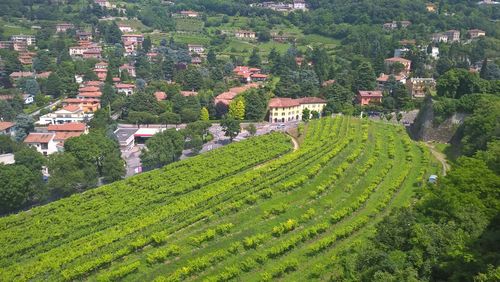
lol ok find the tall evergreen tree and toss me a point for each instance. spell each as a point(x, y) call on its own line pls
point(254, 60)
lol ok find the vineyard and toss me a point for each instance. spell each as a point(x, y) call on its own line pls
point(251, 211)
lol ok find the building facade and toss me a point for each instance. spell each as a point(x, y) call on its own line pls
point(288, 109)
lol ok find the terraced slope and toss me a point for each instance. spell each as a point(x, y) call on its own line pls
point(238, 213)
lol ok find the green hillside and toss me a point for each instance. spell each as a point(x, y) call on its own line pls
point(241, 212)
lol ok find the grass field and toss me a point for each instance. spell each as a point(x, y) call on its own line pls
point(248, 212)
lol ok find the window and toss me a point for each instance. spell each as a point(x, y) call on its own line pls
point(44, 146)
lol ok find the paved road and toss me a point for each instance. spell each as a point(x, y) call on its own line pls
point(46, 107)
point(132, 157)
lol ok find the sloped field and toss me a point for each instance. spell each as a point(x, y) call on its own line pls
point(241, 212)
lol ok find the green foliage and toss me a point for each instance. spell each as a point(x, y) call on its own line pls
point(163, 148)
point(237, 109)
point(231, 127)
point(204, 114)
point(17, 187)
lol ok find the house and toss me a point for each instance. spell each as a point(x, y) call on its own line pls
point(226, 97)
point(83, 36)
point(384, 78)
point(89, 95)
point(431, 7)
point(189, 14)
point(125, 28)
point(288, 109)
point(92, 55)
point(28, 39)
point(189, 93)
point(103, 3)
point(71, 113)
point(7, 128)
point(87, 104)
point(196, 61)
point(160, 96)
point(135, 38)
point(94, 83)
point(26, 58)
point(20, 46)
point(130, 69)
point(124, 88)
point(68, 127)
point(7, 159)
point(247, 74)
point(101, 70)
point(389, 63)
point(439, 37)
point(395, 24)
point(42, 142)
point(435, 52)
point(196, 48)
point(475, 33)
point(43, 75)
point(89, 92)
point(418, 87)
point(244, 34)
point(28, 99)
point(63, 27)
point(126, 138)
point(6, 45)
point(369, 97)
point(453, 35)
point(400, 52)
point(299, 5)
point(21, 74)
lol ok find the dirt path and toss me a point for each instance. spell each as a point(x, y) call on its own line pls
point(440, 157)
point(295, 143)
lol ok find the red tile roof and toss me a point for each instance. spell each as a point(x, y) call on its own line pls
point(6, 125)
point(89, 89)
point(160, 95)
point(72, 126)
point(385, 77)
point(289, 102)
point(124, 86)
point(39, 138)
point(311, 100)
point(94, 83)
point(189, 93)
point(368, 94)
point(283, 103)
point(80, 101)
point(71, 108)
point(397, 59)
point(90, 94)
point(62, 136)
point(259, 75)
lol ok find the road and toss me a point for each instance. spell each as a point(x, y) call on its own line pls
point(46, 107)
point(440, 157)
point(132, 157)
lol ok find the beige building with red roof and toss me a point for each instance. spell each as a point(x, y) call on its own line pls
point(7, 128)
point(226, 97)
point(391, 61)
point(42, 142)
point(369, 97)
point(125, 88)
point(288, 109)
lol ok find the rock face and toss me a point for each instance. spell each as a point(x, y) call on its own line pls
point(424, 128)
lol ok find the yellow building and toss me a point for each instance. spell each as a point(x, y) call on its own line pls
point(288, 109)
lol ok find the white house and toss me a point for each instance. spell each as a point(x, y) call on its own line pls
point(42, 142)
point(125, 28)
point(67, 114)
point(124, 88)
point(299, 5)
point(196, 48)
point(28, 39)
